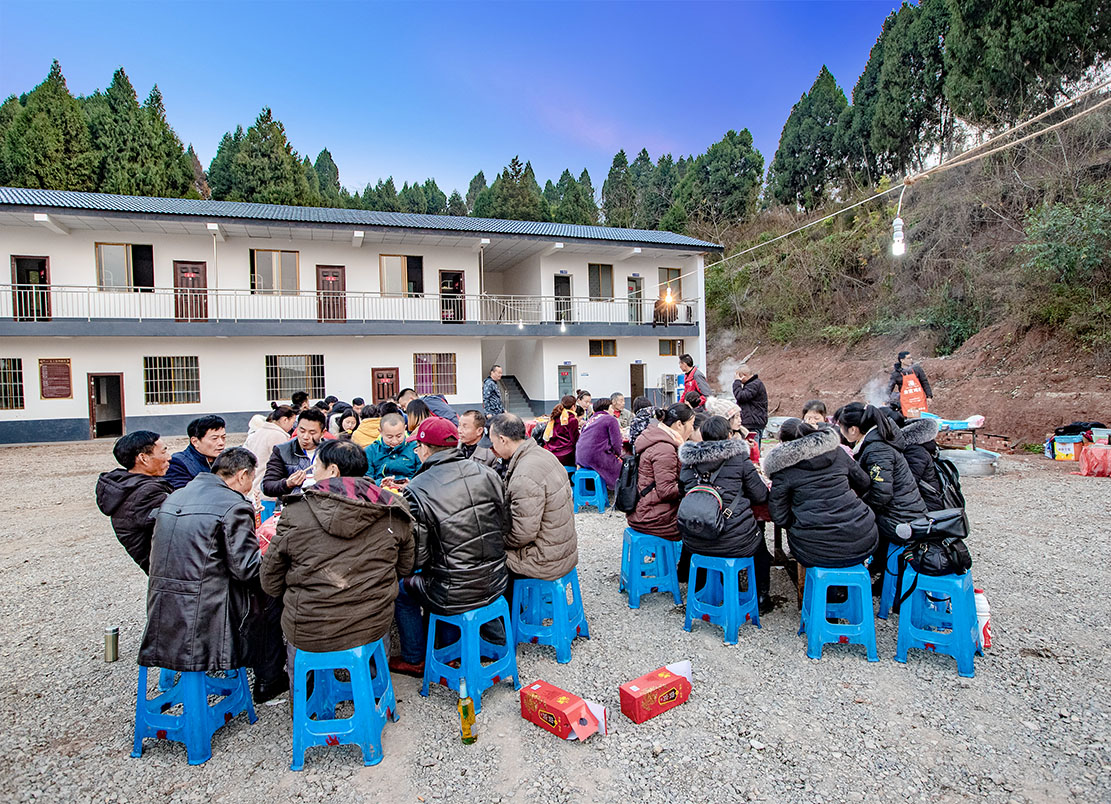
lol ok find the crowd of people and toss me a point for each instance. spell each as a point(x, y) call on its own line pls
point(393, 511)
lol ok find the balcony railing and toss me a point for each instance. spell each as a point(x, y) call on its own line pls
point(62, 302)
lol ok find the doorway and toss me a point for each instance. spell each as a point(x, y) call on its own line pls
point(331, 293)
point(562, 290)
point(106, 415)
point(635, 290)
point(451, 297)
point(565, 384)
point(190, 291)
point(31, 288)
point(383, 383)
point(636, 379)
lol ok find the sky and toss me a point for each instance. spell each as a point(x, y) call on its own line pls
point(416, 89)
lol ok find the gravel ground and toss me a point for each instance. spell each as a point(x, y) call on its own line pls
point(763, 722)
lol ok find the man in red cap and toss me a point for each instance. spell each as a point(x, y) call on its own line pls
point(459, 524)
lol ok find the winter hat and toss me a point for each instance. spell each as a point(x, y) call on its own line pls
point(717, 406)
point(437, 432)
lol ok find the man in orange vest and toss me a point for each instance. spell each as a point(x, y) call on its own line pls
point(906, 365)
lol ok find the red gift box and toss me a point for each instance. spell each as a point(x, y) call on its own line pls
point(567, 716)
point(662, 689)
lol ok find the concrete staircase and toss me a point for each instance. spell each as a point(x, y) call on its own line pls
point(518, 402)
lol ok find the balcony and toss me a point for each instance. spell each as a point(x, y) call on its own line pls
point(75, 310)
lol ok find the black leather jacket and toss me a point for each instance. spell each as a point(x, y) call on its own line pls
point(460, 522)
point(204, 562)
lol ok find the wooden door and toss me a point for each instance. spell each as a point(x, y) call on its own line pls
point(451, 297)
point(331, 293)
point(190, 291)
point(106, 412)
point(383, 383)
point(31, 288)
point(562, 289)
point(636, 381)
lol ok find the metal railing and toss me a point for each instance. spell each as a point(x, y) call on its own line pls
point(67, 302)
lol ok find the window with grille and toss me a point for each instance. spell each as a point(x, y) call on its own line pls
point(600, 281)
point(288, 374)
point(434, 373)
point(125, 266)
point(11, 383)
point(171, 380)
point(671, 347)
point(274, 271)
point(606, 347)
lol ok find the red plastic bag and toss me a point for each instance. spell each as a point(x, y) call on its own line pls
point(1095, 460)
point(265, 533)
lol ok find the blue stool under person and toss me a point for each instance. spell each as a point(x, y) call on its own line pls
point(649, 564)
point(719, 599)
point(589, 489)
point(535, 601)
point(817, 612)
point(890, 576)
point(939, 614)
point(371, 693)
point(463, 657)
point(198, 720)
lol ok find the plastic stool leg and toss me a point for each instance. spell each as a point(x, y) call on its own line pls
point(429, 649)
point(198, 739)
point(140, 701)
point(561, 623)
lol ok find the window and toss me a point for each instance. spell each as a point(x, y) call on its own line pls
point(601, 281)
point(603, 348)
point(401, 275)
point(274, 271)
point(669, 278)
point(11, 383)
point(672, 347)
point(171, 380)
point(288, 374)
point(434, 373)
point(123, 266)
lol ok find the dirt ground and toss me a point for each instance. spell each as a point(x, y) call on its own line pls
point(763, 722)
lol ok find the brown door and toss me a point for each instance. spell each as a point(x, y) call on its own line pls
point(331, 293)
point(384, 383)
point(190, 291)
point(31, 288)
point(451, 296)
point(106, 415)
point(636, 380)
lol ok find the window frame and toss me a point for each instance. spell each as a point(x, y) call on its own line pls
point(602, 295)
point(601, 347)
point(276, 273)
point(439, 384)
point(191, 385)
point(676, 345)
point(13, 389)
point(668, 281)
point(405, 293)
point(313, 384)
point(130, 287)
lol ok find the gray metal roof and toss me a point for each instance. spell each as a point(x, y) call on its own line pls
point(144, 205)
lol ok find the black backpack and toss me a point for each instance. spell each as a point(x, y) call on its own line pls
point(626, 495)
point(935, 546)
point(702, 511)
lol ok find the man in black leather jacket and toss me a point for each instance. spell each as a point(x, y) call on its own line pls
point(459, 524)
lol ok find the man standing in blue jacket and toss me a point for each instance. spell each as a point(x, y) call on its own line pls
point(207, 438)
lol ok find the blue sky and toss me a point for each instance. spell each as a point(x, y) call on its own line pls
point(445, 89)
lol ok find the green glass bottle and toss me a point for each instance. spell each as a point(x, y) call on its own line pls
point(466, 714)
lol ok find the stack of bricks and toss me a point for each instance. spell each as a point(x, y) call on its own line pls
point(960, 439)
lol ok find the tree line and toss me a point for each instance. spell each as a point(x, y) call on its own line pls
point(940, 72)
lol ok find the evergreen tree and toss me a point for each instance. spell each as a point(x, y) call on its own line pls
point(721, 185)
point(221, 170)
point(47, 144)
point(640, 173)
point(551, 194)
point(266, 169)
point(591, 196)
point(574, 207)
point(661, 193)
point(382, 197)
point(854, 130)
point(168, 171)
point(456, 206)
point(8, 111)
point(474, 189)
point(618, 194)
point(411, 198)
point(807, 160)
point(327, 177)
point(119, 137)
point(514, 195)
point(200, 180)
point(435, 200)
point(313, 197)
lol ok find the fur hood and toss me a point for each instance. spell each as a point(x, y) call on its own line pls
point(802, 449)
point(921, 431)
point(711, 453)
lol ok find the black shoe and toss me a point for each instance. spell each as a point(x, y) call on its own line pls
point(270, 690)
point(765, 603)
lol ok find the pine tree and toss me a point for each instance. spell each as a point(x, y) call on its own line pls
point(591, 196)
point(200, 180)
point(514, 195)
point(382, 197)
point(477, 185)
point(456, 206)
point(47, 144)
point(266, 169)
point(435, 200)
point(551, 194)
point(574, 206)
point(661, 193)
point(327, 176)
point(313, 197)
point(168, 171)
point(640, 173)
point(411, 198)
point(721, 185)
point(854, 129)
point(618, 195)
point(221, 170)
point(119, 137)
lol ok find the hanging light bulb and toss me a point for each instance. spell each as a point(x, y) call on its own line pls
point(562, 326)
point(520, 324)
point(668, 298)
point(898, 241)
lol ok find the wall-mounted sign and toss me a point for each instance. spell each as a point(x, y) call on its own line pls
point(563, 272)
point(55, 381)
point(639, 361)
point(635, 275)
point(567, 362)
point(584, 374)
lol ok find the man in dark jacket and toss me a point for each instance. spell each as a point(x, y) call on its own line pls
point(290, 464)
point(472, 426)
point(459, 513)
point(439, 407)
point(132, 495)
point(207, 438)
point(491, 393)
point(752, 398)
point(906, 365)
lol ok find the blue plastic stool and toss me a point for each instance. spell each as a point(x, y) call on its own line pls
point(198, 720)
point(596, 495)
point(939, 615)
point(535, 601)
point(816, 614)
point(267, 509)
point(639, 576)
point(890, 578)
point(719, 599)
point(166, 679)
point(467, 651)
point(314, 716)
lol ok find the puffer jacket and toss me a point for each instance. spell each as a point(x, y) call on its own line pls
point(752, 398)
point(261, 442)
point(542, 542)
point(132, 500)
point(186, 465)
point(335, 561)
point(893, 495)
point(815, 495)
point(921, 452)
point(367, 432)
point(736, 479)
point(204, 562)
point(459, 521)
point(657, 510)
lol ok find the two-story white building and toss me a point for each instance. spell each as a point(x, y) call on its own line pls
point(128, 313)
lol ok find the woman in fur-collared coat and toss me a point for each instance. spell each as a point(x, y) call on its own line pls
point(921, 451)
